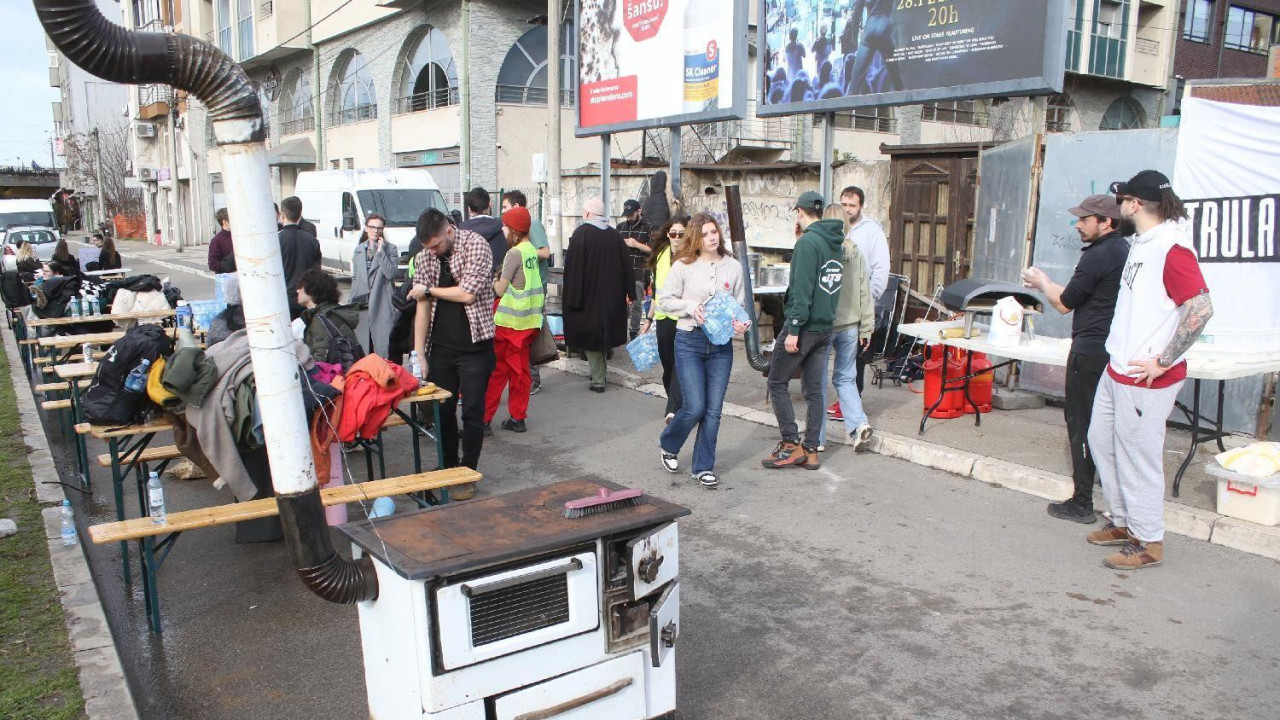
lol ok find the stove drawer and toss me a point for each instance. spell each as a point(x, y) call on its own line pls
point(612, 689)
point(494, 615)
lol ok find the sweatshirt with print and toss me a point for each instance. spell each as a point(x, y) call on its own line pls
point(816, 278)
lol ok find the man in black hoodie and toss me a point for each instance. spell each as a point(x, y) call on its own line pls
point(817, 274)
point(485, 225)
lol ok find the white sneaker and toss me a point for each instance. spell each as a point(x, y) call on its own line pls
point(670, 462)
point(708, 479)
point(861, 438)
point(822, 448)
point(670, 417)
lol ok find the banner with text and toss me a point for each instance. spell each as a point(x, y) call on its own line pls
point(1228, 174)
point(658, 63)
point(826, 55)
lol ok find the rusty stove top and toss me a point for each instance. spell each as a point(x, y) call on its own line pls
point(468, 535)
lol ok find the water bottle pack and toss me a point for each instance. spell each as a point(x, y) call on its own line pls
point(203, 312)
point(721, 312)
point(644, 351)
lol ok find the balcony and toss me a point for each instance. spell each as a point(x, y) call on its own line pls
point(522, 95)
point(153, 101)
point(295, 127)
point(444, 97)
point(359, 113)
point(761, 139)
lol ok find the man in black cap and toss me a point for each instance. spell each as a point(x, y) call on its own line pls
point(636, 234)
point(1091, 295)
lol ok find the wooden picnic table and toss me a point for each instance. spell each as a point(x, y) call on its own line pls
point(76, 371)
point(132, 315)
point(108, 273)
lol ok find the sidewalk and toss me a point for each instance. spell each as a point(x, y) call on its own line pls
point(1025, 450)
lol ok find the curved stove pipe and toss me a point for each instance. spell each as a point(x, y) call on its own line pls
point(733, 200)
point(113, 53)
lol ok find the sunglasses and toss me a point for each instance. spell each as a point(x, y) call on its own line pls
point(675, 234)
point(372, 227)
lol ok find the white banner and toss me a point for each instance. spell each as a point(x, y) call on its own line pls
point(1228, 173)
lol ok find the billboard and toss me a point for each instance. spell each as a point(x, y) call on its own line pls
point(658, 63)
point(827, 55)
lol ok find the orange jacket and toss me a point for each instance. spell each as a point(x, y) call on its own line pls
point(373, 387)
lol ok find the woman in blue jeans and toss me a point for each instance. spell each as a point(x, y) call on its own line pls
point(702, 266)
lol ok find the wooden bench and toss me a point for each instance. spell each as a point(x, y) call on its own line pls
point(29, 341)
point(61, 386)
point(150, 455)
point(138, 528)
point(69, 359)
point(56, 405)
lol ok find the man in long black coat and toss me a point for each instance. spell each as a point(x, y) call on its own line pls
point(597, 284)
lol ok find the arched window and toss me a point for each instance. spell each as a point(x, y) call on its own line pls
point(1059, 116)
point(428, 75)
point(297, 115)
point(1123, 114)
point(522, 79)
point(353, 98)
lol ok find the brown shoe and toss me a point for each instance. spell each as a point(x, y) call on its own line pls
point(1109, 535)
point(786, 454)
point(1136, 555)
point(811, 461)
point(465, 491)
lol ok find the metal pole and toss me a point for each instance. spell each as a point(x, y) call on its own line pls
point(464, 113)
point(179, 227)
point(605, 161)
point(828, 155)
point(97, 164)
point(551, 218)
point(677, 188)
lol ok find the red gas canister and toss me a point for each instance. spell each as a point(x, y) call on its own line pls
point(980, 387)
point(952, 404)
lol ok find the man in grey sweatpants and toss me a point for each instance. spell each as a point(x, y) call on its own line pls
point(1162, 307)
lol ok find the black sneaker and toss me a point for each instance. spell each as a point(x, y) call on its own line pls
point(536, 387)
point(670, 462)
point(708, 479)
point(488, 430)
point(513, 425)
point(1073, 510)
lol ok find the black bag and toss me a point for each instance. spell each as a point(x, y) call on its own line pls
point(106, 402)
point(341, 349)
point(13, 290)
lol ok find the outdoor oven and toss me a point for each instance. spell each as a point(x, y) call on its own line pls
point(504, 609)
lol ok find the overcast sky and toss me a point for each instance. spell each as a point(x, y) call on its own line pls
point(26, 99)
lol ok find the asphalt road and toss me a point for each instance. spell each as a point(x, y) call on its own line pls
point(872, 588)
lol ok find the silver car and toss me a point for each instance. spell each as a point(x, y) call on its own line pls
point(42, 240)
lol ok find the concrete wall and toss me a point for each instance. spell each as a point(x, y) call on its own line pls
point(426, 130)
point(358, 141)
point(348, 16)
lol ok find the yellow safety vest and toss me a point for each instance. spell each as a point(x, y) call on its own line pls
point(522, 309)
point(660, 270)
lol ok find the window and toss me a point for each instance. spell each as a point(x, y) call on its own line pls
point(873, 119)
point(1123, 114)
point(522, 79)
point(355, 99)
point(1195, 25)
point(1058, 114)
point(960, 112)
point(224, 27)
point(428, 74)
point(244, 28)
point(1250, 30)
point(1110, 38)
point(297, 112)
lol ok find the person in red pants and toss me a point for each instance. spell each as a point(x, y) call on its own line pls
point(518, 319)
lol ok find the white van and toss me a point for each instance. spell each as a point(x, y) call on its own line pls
point(35, 213)
point(338, 201)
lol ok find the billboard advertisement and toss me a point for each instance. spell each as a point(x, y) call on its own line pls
point(658, 63)
point(827, 55)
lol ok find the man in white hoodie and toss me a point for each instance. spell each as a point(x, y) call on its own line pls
point(1161, 310)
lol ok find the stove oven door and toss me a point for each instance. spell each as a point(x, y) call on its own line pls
point(612, 690)
point(485, 617)
point(654, 560)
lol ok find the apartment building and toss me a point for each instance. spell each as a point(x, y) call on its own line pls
point(1226, 38)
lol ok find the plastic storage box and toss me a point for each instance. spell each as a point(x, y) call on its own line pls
point(1247, 497)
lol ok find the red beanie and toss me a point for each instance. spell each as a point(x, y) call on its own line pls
point(517, 218)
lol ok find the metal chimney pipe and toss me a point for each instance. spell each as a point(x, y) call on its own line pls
point(737, 231)
point(113, 53)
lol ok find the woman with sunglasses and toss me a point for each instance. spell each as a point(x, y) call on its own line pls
point(666, 242)
point(702, 267)
point(373, 274)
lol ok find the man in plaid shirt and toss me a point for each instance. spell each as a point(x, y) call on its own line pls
point(453, 329)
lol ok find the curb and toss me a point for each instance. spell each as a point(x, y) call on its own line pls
point(1180, 519)
point(102, 682)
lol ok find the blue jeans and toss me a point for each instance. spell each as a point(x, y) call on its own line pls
point(702, 368)
point(844, 375)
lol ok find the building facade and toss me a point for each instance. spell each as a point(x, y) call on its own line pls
point(1226, 38)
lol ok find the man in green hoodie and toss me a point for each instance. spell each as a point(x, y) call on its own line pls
point(817, 275)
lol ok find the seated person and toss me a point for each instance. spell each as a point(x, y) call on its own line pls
point(323, 317)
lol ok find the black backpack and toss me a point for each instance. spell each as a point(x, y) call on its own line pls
point(341, 349)
point(106, 402)
point(13, 290)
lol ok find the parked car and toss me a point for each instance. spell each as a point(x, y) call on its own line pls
point(26, 213)
point(42, 240)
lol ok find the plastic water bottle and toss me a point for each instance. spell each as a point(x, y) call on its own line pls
point(74, 306)
point(415, 367)
point(68, 524)
point(155, 498)
point(87, 351)
point(137, 380)
point(86, 306)
point(183, 315)
point(96, 307)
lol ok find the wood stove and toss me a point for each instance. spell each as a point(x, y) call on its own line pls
point(504, 609)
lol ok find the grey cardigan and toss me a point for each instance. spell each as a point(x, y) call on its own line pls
point(376, 285)
point(689, 285)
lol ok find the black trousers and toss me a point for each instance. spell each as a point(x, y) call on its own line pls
point(463, 374)
point(667, 353)
point(1083, 374)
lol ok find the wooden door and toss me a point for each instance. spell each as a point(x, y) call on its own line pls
point(931, 239)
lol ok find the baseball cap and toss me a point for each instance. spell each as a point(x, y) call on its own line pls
point(517, 218)
point(630, 206)
point(1146, 185)
point(1104, 205)
point(810, 200)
